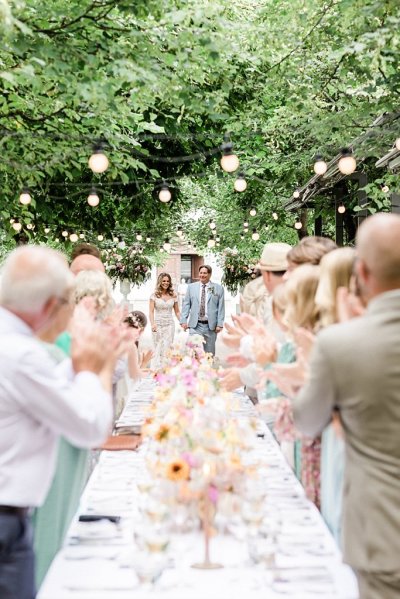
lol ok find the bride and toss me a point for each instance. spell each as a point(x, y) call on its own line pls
point(163, 302)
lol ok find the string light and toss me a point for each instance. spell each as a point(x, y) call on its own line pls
point(29, 226)
point(253, 211)
point(347, 163)
point(296, 194)
point(341, 208)
point(212, 224)
point(397, 144)
point(139, 236)
point(115, 239)
point(298, 225)
point(211, 242)
point(73, 237)
point(167, 245)
point(240, 183)
point(64, 233)
point(255, 236)
point(17, 227)
point(98, 162)
point(47, 230)
point(148, 239)
point(217, 239)
point(275, 216)
point(179, 232)
point(100, 237)
point(25, 197)
point(242, 237)
point(320, 166)
point(81, 236)
point(164, 194)
point(229, 161)
point(162, 250)
point(385, 188)
point(93, 198)
point(245, 224)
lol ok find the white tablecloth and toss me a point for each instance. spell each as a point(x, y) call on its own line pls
point(96, 561)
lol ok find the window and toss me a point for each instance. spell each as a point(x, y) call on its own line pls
point(186, 268)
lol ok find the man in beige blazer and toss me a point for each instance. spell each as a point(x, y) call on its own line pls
point(355, 367)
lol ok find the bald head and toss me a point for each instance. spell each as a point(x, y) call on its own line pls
point(31, 275)
point(86, 262)
point(378, 248)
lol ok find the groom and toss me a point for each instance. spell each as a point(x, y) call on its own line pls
point(204, 306)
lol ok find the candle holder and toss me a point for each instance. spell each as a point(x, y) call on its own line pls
point(207, 514)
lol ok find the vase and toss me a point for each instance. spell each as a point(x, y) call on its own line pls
point(125, 288)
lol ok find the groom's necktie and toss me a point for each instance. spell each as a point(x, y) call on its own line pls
point(202, 313)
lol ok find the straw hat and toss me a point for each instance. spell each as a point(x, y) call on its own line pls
point(273, 257)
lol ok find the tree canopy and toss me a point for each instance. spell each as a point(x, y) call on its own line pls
point(160, 82)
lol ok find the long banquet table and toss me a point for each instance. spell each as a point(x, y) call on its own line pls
point(97, 559)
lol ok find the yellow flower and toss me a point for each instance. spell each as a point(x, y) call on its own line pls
point(178, 470)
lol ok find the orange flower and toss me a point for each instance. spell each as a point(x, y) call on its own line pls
point(162, 432)
point(178, 470)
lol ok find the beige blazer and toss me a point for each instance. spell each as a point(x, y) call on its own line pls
point(356, 367)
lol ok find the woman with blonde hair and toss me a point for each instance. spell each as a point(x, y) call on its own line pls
point(163, 305)
point(301, 312)
point(336, 273)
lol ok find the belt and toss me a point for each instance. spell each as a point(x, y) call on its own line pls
point(203, 321)
point(17, 511)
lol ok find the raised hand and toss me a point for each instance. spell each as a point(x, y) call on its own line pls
point(230, 379)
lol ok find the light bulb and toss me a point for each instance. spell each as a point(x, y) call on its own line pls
point(98, 162)
point(121, 245)
point(179, 232)
point(100, 237)
point(148, 239)
point(253, 212)
point(81, 235)
point(93, 198)
point(73, 237)
point(275, 216)
point(165, 194)
point(341, 208)
point(212, 224)
point(245, 224)
point(17, 227)
point(12, 220)
point(29, 226)
point(320, 166)
point(47, 230)
point(240, 183)
point(229, 163)
point(217, 239)
point(25, 197)
point(397, 144)
point(347, 163)
point(211, 242)
point(242, 237)
point(297, 225)
point(162, 250)
point(167, 245)
point(139, 237)
point(255, 236)
point(64, 233)
point(296, 193)
point(385, 188)
point(115, 239)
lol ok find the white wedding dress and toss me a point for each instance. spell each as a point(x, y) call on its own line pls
point(164, 320)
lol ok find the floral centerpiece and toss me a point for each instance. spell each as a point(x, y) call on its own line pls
point(195, 448)
point(237, 270)
point(127, 263)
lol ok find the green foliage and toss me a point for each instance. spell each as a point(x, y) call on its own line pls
point(237, 271)
point(159, 79)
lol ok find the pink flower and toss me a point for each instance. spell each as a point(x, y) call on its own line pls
point(213, 494)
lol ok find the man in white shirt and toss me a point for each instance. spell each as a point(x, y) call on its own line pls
point(39, 402)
